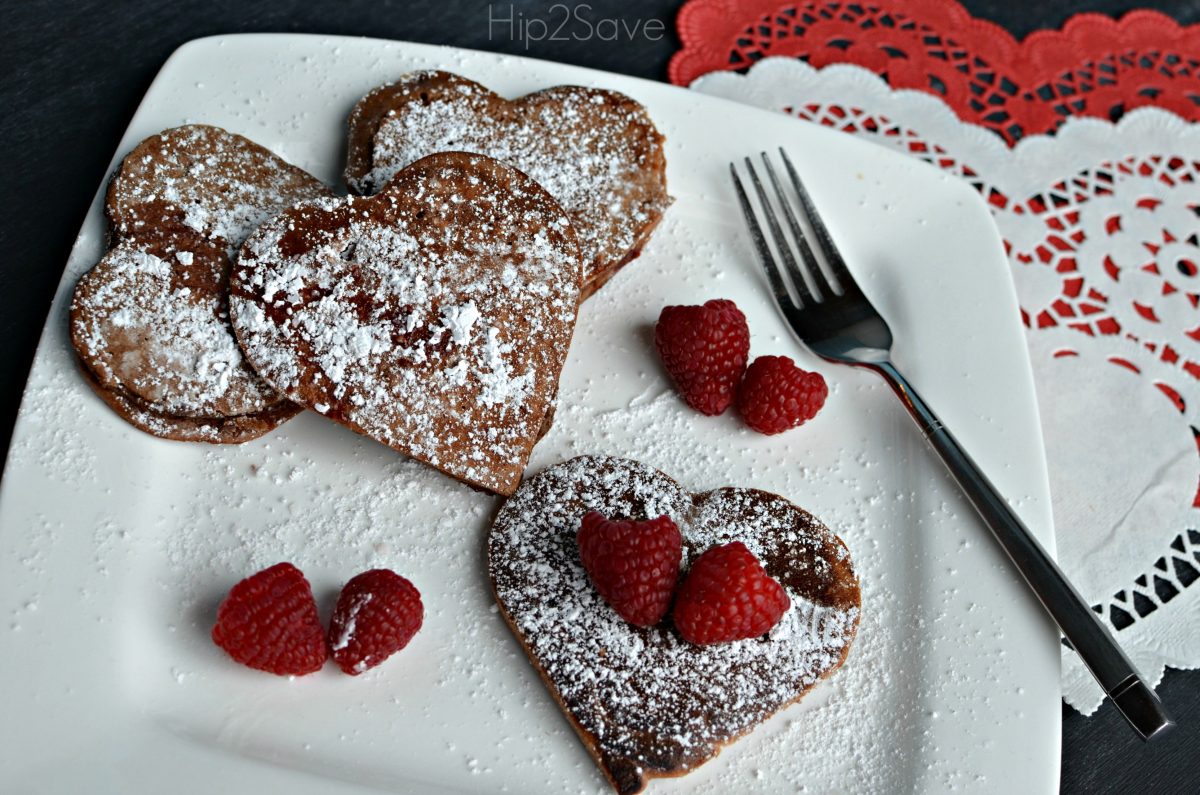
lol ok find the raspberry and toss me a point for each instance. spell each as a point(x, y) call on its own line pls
point(269, 621)
point(777, 395)
point(634, 565)
point(727, 596)
point(376, 615)
point(704, 349)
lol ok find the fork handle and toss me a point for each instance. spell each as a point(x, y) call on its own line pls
point(1083, 630)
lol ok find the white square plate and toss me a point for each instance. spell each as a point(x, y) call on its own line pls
point(115, 547)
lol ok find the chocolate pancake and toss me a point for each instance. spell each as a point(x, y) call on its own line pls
point(150, 321)
point(645, 702)
point(434, 316)
point(595, 151)
point(217, 430)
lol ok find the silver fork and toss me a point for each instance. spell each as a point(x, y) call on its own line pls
point(837, 322)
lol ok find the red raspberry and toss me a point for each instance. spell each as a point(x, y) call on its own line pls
point(704, 349)
point(727, 596)
point(777, 395)
point(377, 614)
point(269, 621)
point(634, 565)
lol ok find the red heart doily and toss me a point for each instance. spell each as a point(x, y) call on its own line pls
point(1094, 66)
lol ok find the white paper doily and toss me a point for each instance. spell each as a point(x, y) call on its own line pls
point(1102, 224)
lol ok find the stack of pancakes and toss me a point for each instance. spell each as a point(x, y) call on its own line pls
point(432, 311)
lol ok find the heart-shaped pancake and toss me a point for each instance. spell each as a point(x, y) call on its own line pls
point(645, 702)
point(150, 320)
point(434, 316)
point(597, 152)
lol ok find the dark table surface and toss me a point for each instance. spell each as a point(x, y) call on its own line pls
point(71, 75)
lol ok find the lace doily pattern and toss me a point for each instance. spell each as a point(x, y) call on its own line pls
point(1162, 583)
point(1101, 224)
point(1094, 66)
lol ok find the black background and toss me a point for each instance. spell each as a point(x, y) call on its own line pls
point(72, 73)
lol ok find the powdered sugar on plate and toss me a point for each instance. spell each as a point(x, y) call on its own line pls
point(335, 505)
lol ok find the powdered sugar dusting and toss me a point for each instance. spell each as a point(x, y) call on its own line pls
point(350, 624)
point(652, 701)
point(169, 345)
point(458, 320)
point(434, 317)
point(596, 152)
point(223, 184)
point(150, 320)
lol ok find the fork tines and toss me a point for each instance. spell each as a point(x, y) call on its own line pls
point(806, 277)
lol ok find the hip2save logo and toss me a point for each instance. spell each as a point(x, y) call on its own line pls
point(569, 23)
